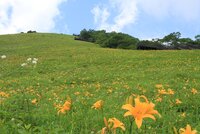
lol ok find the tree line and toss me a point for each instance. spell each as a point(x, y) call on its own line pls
point(173, 41)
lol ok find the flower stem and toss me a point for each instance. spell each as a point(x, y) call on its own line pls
point(131, 126)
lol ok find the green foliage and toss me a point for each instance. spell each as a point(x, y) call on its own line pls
point(125, 41)
point(87, 35)
point(197, 37)
point(197, 40)
point(110, 40)
point(120, 40)
point(172, 38)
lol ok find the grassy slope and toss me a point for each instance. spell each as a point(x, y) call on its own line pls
point(66, 66)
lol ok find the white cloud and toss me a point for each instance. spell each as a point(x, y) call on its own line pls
point(24, 15)
point(127, 12)
point(186, 10)
point(101, 16)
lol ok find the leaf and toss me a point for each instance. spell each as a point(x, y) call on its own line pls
point(27, 127)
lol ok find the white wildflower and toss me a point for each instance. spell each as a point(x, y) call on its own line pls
point(23, 64)
point(35, 59)
point(3, 56)
point(34, 62)
point(29, 59)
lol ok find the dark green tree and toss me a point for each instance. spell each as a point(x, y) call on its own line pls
point(120, 40)
point(197, 38)
point(172, 38)
point(85, 35)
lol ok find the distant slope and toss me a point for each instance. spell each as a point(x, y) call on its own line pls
point(37, 42)
point(38, 38)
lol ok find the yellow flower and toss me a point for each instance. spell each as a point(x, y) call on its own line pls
point(162, 91)
point(77, 93)
point(65, 107)
point(194, 91)
point(159, 86)
point(159, 99)
point(34, 101)
point(98, 105)
point(188, 130)
point(140, 110)
point(170, 91)
point(116, 124)
point(3, 94)
point(183, 115)
point(178, 101)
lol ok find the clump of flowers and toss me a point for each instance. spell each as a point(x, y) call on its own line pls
point(98, 105)
point(3, 94)
point(166, 92)
point(65, 107)
point(141, 110)
point(162, 91)
point(30, 61)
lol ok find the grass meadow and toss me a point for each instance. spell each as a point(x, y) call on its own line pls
point(41, 71)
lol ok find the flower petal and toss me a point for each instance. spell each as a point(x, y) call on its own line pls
point(127, 114)
point(138, 122)
point(149, 116)
point(128, 107)
point(122, 127)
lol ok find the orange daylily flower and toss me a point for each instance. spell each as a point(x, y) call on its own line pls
point(159, 99)
point(65, 107)
point(194, 91)
point(116, 124)
point(159, 86)
point(34, 101)
point(98, 105)
point(178, 101)
point(77, 93)
point(3, 94)
point(140, 110)
point(162, 91)
point(183, 115)
point(170, 91)
point(188, 130)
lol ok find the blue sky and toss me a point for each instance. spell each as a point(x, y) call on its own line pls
point(144, 19)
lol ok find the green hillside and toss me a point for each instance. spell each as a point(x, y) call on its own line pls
point(87, 73)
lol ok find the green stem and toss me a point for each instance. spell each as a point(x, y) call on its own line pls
point(102, 113)
point(131, 126)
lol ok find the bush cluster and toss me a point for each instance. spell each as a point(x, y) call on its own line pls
point(110, 40)
point(125, 41)
point(30, 31)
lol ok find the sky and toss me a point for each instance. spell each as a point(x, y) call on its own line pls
point(144, 19)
